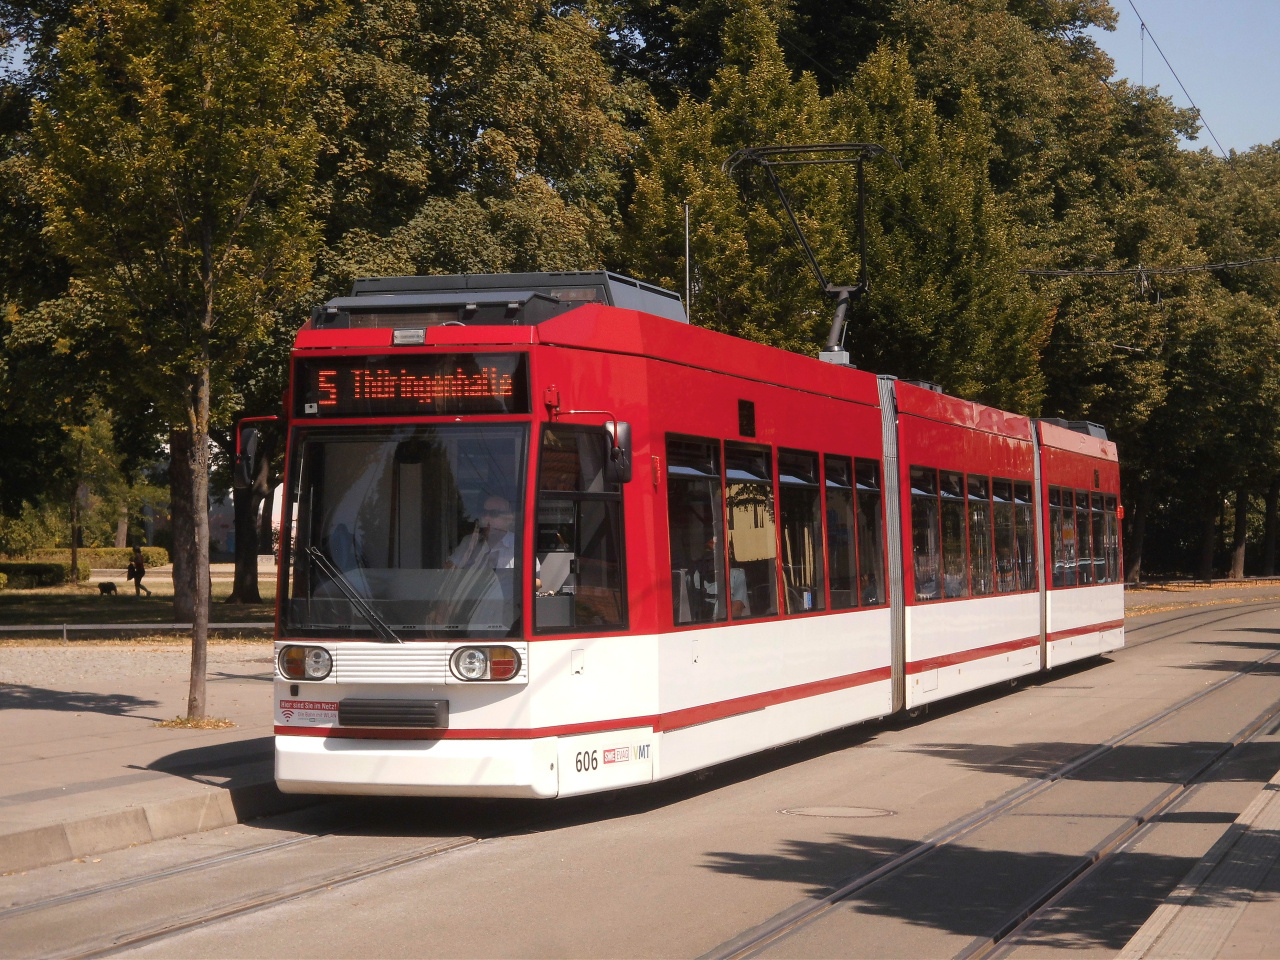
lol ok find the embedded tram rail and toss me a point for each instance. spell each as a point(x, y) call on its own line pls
point(758, 941)
point(129, 912)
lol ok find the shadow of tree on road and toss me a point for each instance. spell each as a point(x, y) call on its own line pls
point(20, 696)
point(967, 891)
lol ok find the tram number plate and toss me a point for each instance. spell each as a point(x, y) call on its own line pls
point(601, 760)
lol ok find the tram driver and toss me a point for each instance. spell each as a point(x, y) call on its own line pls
point(492, 543)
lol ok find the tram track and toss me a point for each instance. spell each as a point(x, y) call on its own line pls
point(1044, 901)
point(755, 941)
point(143, 937)
point(750, 943)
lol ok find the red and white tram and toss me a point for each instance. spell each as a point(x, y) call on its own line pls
point(543, 538)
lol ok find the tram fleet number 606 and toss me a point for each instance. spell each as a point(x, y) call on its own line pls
point(543, 537)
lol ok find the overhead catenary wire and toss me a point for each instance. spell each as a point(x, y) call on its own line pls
point(1199, 113)
point(1141, 271)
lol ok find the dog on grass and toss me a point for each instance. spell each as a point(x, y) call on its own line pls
point(107, 589)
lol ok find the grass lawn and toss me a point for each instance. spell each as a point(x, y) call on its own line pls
point(84, 604)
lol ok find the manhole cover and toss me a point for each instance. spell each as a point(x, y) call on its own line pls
point(850, 812)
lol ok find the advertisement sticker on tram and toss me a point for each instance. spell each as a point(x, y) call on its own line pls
point(309, 713)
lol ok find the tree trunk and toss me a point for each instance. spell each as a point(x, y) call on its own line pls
point(1241, 534)
point(1208, 540)
point(199, 465)
point(181, 507)
point(1137, 531)
point(75, 535)
point(122, 526)
point(245, 588)
point(1269, 529)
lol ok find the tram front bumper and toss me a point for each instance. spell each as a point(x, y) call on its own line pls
point(422, 768)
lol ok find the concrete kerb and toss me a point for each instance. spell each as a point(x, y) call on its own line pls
point(1200, 913)
point(213, 807)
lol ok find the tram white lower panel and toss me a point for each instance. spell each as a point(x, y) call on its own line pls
point(954, 629)
point(428, 768)
point(954, 679)
point(691, 748)
point(1076, 608)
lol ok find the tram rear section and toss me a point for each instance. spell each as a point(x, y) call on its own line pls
point(543, 538)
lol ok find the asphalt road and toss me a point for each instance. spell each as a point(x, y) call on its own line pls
point(743, 860)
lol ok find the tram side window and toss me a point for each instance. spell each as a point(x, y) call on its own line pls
point(753, 539)
point(1005, 539)
point(696, 525)
point(1084, 544)
point(1113, 541)
point(841, 532)
point(1099, 541)
point(870, 532)
point(580, 583)
point(926, 544)
point(955, 546)
point(800, 517)
point(1068, 537)
point(981, 573)
point(1025, 558)
point(1056, 550)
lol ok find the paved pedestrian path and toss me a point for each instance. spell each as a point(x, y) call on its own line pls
point(84, 768)
point(1229, 904)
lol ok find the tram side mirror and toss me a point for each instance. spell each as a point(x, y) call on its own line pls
point(617, 467)
point(246, 458)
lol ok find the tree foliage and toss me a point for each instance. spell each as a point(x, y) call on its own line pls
point(176, 150)
point(179, 182)
point(946, 302)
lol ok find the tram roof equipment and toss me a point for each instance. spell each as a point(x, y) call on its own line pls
point(511, 299)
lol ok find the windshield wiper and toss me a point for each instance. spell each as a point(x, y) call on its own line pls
point(379, 625)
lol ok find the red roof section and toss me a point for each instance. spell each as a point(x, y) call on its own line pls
point(1052, 435)
point(610, 329)
point(919, 402)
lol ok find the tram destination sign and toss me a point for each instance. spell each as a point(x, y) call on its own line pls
point(423, 384)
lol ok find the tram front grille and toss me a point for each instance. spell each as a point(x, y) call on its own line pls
point(393, 713)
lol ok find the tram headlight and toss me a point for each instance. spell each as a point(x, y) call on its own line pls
point(471, 663)
point(318, 663)
point(485, 663)
point(305, 663)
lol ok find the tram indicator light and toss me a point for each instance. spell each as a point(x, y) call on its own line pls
point(415, 384)
point(485, 663)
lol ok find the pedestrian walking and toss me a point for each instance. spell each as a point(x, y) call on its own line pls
point(137, 568)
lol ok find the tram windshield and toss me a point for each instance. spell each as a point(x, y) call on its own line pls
point(403, 532)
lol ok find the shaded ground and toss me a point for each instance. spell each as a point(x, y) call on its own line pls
point(87, 605)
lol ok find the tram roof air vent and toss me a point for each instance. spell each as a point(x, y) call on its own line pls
point(926, 385)
point(1087, 427)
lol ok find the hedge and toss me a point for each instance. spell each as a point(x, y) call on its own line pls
point(25, 575)
point(105, 558)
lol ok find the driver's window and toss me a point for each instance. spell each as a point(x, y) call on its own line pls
point(579, 578)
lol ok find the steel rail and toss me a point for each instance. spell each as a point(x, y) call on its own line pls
point(752, 942)
point(254, 904)
point(144, 879)
point(1049, 896)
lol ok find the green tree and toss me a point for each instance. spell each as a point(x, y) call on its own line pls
point(176, 149)
point(946, 303)
point(471, 136)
